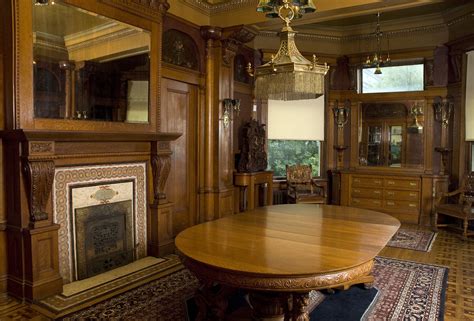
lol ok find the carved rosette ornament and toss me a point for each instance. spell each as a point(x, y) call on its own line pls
point(39, 177)
point(160, 166)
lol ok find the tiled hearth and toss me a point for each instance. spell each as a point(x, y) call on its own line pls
point(101, 211)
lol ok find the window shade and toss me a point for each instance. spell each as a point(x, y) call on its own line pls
point(470, 97)
point(296, 119)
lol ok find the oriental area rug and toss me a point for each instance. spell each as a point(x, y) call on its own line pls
point(403, 290)
point(418, 240)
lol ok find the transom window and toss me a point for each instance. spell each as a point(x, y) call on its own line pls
point(392, 79)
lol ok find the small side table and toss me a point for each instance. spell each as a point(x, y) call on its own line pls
point(249, 183)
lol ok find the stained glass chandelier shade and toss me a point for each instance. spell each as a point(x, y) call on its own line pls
point(288, 75)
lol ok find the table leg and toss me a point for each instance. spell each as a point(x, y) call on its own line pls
point(212, 301)
point(300, 307)
point(269, 306)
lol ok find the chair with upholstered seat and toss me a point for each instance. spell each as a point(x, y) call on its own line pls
point(301, 186)
point(457, 204)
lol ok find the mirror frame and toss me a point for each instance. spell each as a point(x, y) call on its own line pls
point(356, 127)
point(142, 16)
point(387, 122)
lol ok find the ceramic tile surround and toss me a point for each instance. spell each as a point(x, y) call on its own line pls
point(76, 187)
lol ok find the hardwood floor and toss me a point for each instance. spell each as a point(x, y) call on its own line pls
point(448, 250)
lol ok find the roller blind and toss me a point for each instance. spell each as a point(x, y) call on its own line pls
point(470, 97)
point(296, 119)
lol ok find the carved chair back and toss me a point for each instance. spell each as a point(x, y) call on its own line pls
point(299, 174)
point(462, 209)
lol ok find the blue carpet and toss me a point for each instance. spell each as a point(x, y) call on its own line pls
point(347, 305)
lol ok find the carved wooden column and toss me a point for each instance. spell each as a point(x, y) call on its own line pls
point(33, 265)
point(216, 190)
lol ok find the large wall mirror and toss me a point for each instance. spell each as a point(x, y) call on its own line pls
point(391, 134)
point(89, 67)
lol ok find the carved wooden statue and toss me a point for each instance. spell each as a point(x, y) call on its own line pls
point(253, 157)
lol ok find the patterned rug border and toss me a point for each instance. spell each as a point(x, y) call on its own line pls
point(59, 305)
point(428, 248)
point(444, 285)
point(414, 277)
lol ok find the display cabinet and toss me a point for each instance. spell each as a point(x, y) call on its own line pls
point(392, 165)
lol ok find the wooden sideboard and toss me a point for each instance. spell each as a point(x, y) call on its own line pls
point(249, 184)
point(408, 197)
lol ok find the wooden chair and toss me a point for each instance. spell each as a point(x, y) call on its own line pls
point(460, 207)
point(301, 186)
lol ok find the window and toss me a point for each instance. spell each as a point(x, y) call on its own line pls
point(282, 152)
point(393, 79)
point(295, 129)
point(472, 157)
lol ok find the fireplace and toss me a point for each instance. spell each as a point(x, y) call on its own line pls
point(103, 237)
point(102, 217)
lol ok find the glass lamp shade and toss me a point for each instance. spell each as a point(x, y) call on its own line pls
point(270, 7)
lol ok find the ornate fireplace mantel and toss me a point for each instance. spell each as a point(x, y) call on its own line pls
point(33, 157)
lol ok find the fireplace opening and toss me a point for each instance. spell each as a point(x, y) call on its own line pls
point(104, 238)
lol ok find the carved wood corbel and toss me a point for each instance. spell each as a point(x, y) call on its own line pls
point(39, 176)
point(160, 167)
point(229, 50)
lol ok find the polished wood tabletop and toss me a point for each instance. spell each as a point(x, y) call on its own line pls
point(289, 240)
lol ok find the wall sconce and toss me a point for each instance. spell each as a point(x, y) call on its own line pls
point(416, 110)
point(443, 110)
point(229, 106)
point(341, 114)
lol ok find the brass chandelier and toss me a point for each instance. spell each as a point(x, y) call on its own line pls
point(288, 75)
point(377, 60)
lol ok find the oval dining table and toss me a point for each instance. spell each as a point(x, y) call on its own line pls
point(280, 253)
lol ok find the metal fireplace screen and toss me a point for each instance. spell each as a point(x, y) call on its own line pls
point(104, 238)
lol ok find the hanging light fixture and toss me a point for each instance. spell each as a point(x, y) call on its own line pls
point(377, 60)
point(288, 75)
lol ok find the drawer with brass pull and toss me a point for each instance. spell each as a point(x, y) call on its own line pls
point(413, 184)
point(366, 202)
point(367, 192)
point(408, 206)
point(368, 181)
point(401, 195)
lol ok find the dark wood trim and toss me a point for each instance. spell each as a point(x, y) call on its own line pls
point(72, 136)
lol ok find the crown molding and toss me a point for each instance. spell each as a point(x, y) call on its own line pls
point(209, 9)
point(388, 33)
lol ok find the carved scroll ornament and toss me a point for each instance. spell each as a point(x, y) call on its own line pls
point(39, 177)
point(160, 166)
point(283, 283)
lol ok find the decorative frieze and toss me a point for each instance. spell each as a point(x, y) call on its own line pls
point(41, 148)
point(151, 9)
